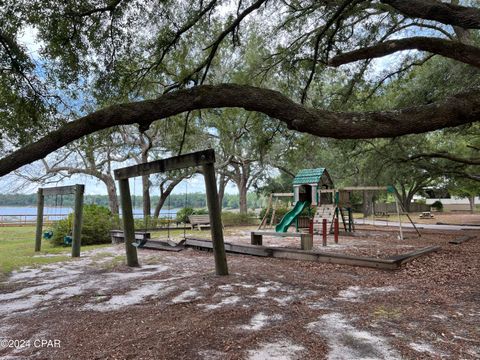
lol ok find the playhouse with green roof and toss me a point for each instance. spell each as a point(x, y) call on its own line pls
point(307, 183)
point(306, 193)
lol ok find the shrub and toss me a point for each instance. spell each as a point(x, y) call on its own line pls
point(184, 213)
point(237, 219)
point(97, 223)
point(437, 205)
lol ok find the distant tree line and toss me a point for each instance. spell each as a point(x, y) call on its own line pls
point(174, 201)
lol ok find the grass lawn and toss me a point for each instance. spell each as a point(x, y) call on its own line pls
point(17, 249)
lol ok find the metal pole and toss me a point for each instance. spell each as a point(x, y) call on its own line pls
point(128, 223)
point(335, 230)
point(324, 232)
point(38, 234)
point(216, 228)
point(77, 221)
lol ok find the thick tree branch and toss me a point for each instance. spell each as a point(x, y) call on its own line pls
point(456, 110)
point(109, 8)
point(450, 14)
point(472, 161)
point(454, 50)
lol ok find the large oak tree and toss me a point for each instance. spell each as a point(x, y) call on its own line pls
point(123, 52)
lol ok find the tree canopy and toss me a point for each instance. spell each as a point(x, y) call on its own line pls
point(343, 69)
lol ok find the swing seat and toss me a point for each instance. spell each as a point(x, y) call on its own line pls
point(67, 240)
point(48, 234)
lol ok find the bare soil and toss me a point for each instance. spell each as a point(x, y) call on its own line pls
point(175, 307)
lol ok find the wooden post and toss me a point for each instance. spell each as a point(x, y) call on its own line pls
point(38, 234)
point(306, 242)
point(399, 219)
point(324, 232)
point(255, 239)
point(335, 229)
point(77, 221)
point(350, 219)
point(264, 221)
point(128, 223)
point(216, 228)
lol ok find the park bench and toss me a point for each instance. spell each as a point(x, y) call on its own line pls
point(199, 221)
point(306, 240)
point(118, 237)
point(426, 215)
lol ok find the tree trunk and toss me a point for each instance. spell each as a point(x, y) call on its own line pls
point(222, 183)
point(367, 206)
point(471, 200)
point(112, 194)
point(146, 196)
point(406, 201)
point(242, 191)
point(160, 203)
point(164, 195)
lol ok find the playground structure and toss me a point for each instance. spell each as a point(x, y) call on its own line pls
point(206, 160)
point(315, 196)
point(75, 240)
point(312, 186)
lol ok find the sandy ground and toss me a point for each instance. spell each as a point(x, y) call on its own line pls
point(174, 307)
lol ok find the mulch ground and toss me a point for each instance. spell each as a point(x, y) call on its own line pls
point(266, 308)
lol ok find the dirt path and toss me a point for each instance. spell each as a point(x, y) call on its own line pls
point(174, 307)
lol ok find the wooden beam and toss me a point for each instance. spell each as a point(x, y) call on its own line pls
point(361, 188)
point(216, 226)
point(38, 233)
point(128, 223)
point(461, 239)
point(334, 258)
point(160, 245)
point(264, 220)
point(77, 220)
point(325, 191)
point(232, 248)
point(174, 163)
point(404, 258)
point(60, 190)
point(323, 257)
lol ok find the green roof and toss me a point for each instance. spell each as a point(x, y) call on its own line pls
point(308, 176)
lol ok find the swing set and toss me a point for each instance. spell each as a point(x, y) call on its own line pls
point(73, 239)
point(206, 160)
point(150, 225)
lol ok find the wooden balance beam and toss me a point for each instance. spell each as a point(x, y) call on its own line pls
point(306, 240)
point(323, 257)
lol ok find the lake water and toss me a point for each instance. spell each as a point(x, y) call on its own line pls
point(15, 213)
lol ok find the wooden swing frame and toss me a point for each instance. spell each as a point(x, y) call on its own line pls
point(78, 190)
point(205, 159)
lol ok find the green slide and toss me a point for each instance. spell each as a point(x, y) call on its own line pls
point(290, 216)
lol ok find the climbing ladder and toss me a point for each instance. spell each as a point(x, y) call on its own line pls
point(348, 223)
point(324, 212)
